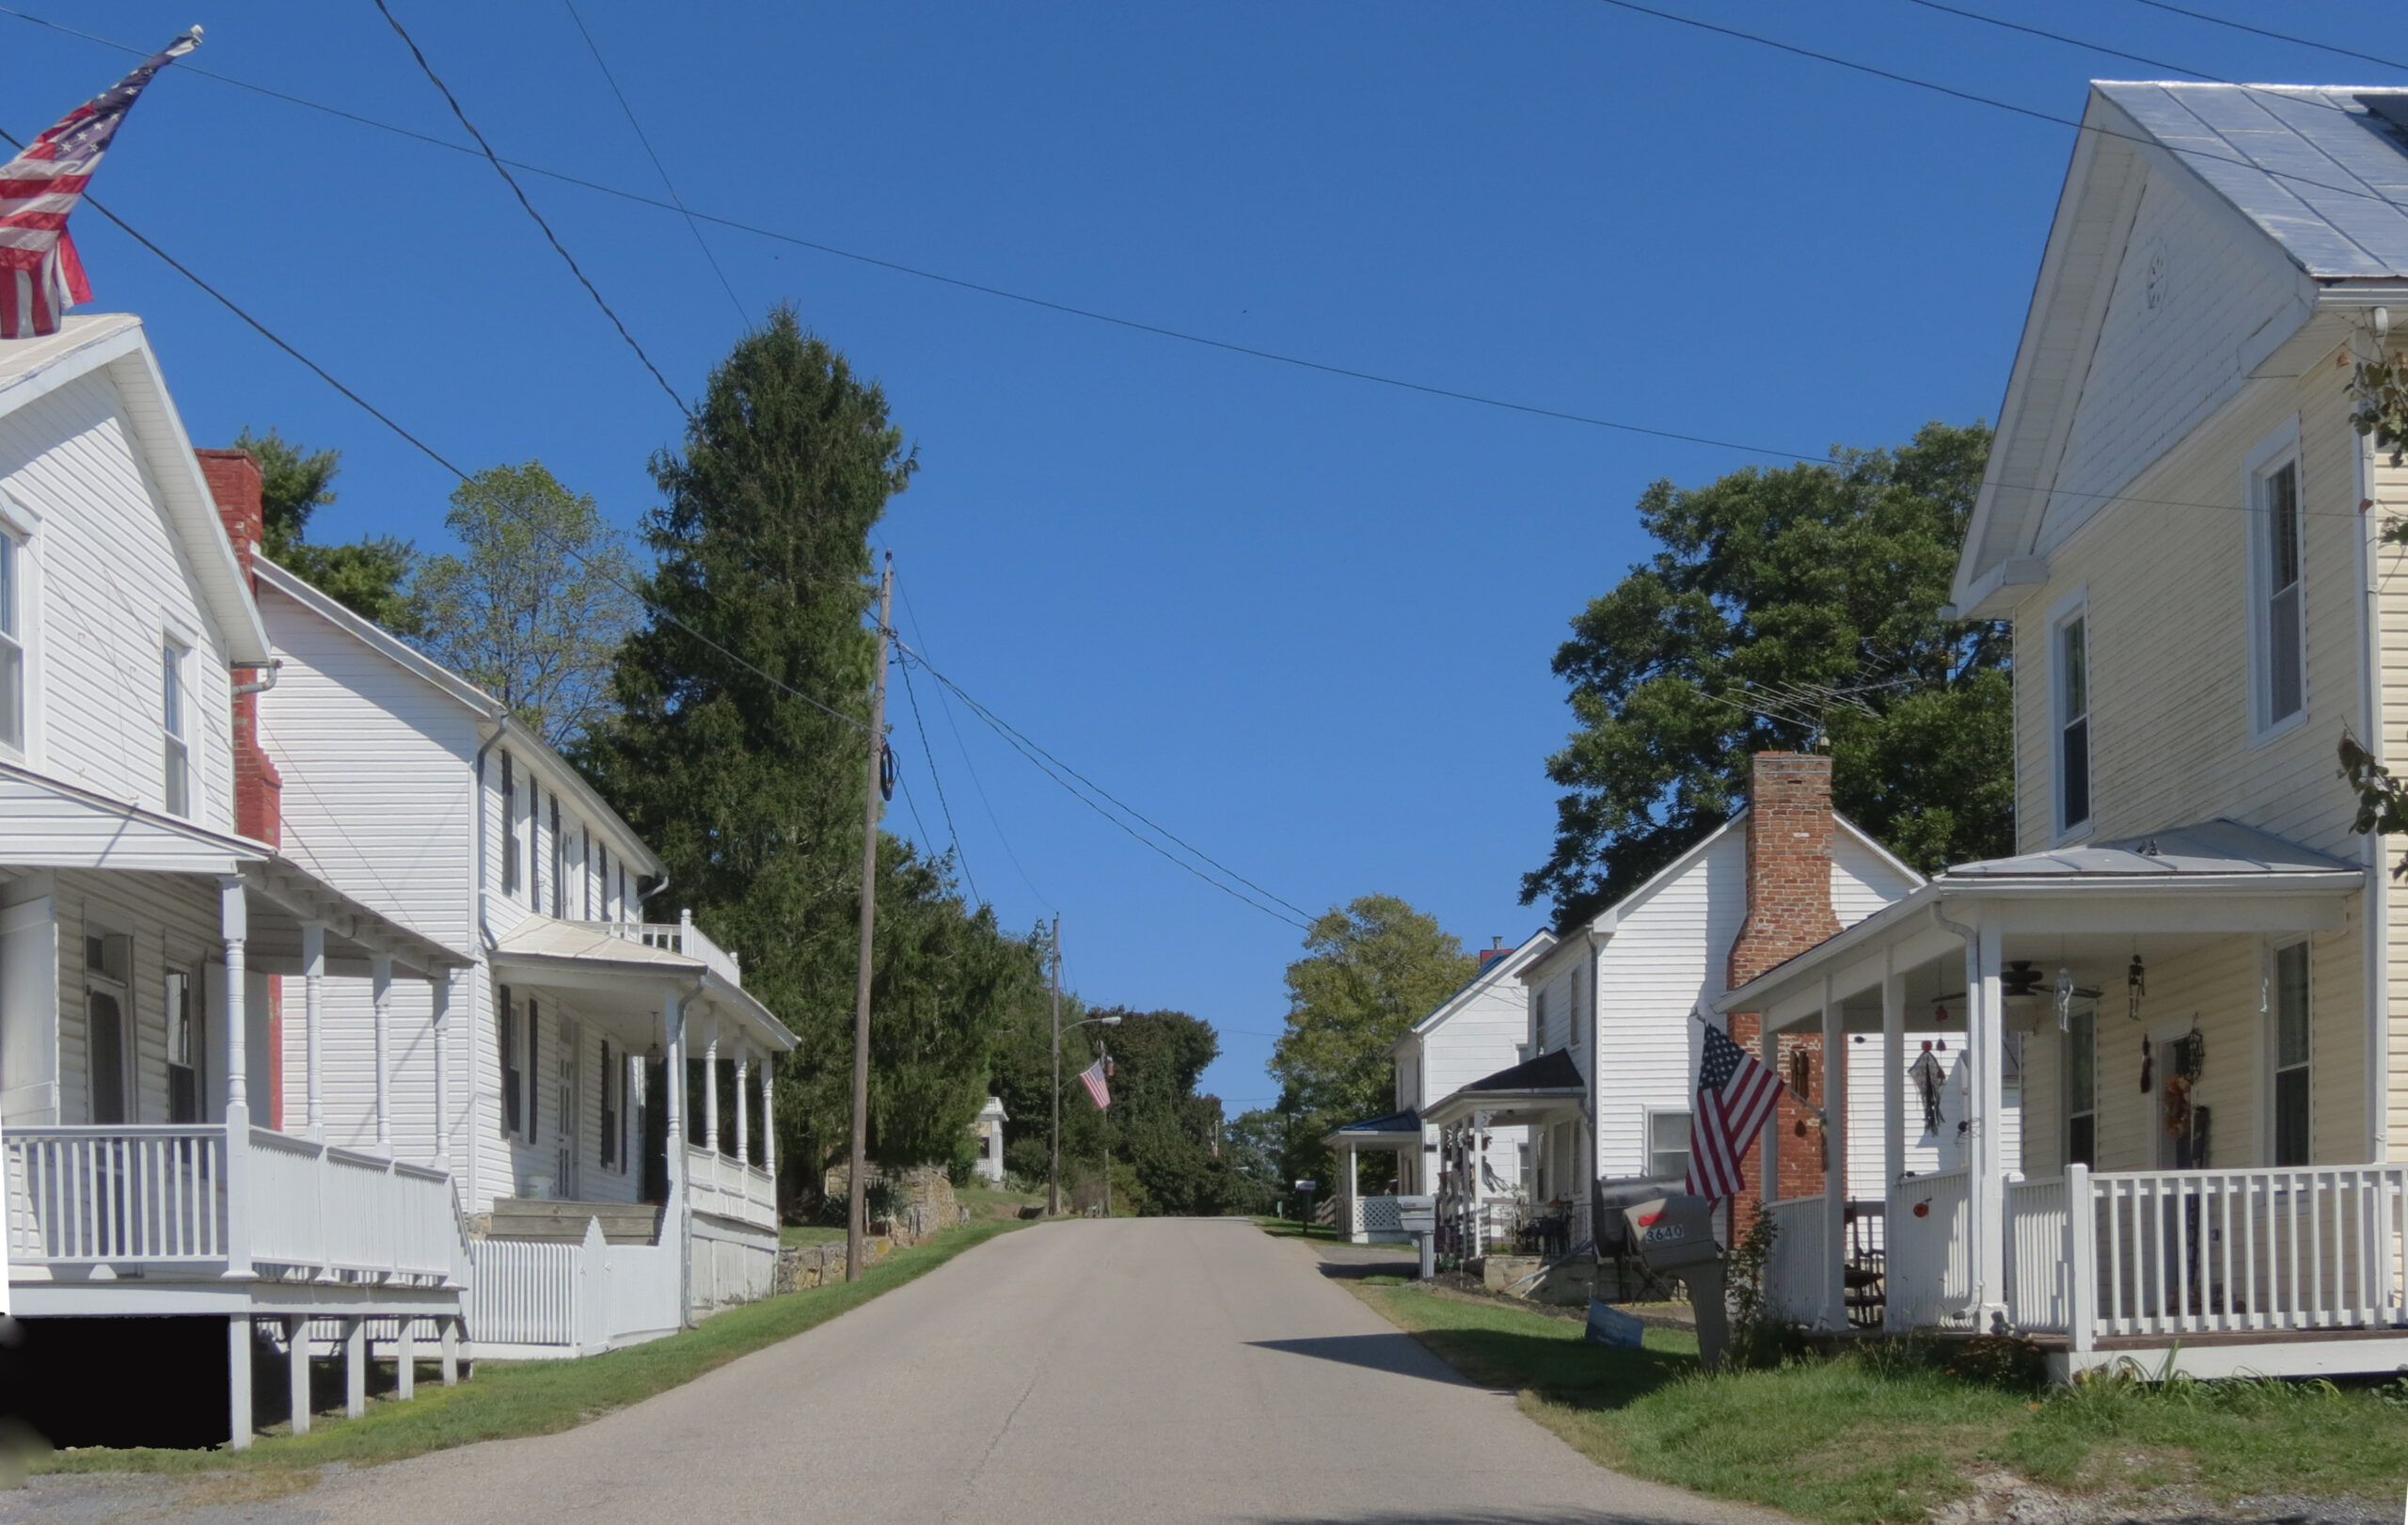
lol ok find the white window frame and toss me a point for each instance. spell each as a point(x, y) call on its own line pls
point(2274, 1068)
point(178, 761)
point(2074, 607)
point(98, 926)
point(2066, 1067)
point(2277, 452)
point(1537, 1023)
point(21, 526)
point(1647, 1149)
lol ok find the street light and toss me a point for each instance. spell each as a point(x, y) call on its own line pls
point(1054, 1170)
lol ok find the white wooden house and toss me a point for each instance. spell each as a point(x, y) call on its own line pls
point(606, 1204)
point(987, 1128)
point(2183, 528)
point(1608, 1060)
point(1470, 1034)
point(143, 914)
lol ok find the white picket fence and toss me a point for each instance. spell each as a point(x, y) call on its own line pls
point(534, 1301)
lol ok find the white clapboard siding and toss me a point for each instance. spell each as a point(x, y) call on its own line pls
point(108, 582)
point(173, 923)
point(2389, 486)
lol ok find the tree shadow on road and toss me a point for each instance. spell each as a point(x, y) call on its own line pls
point(1399, 1352)
point(1499, 1517)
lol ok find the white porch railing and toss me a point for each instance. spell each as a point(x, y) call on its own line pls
point(80, 1195)
point(2039, 1256)
point(730, 1188)
point(1796, 1275)
point(680, 936)
point(1928, 1260)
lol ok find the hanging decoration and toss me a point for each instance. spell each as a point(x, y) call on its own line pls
point(2065, 999)
point(2135, 986)
point(1928, 1077)
point(2148, 1066)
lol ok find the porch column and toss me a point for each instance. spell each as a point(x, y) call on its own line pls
point(439, 993)
point(380, 984)
point(743, 1112)
point(1986, 1177)
point(1894, 1111)
point(673, 1028)
point(710, 1087)
point(355, 1367)
point(1347, 1177)
point(313, 1009)
point(768, 1116)
point(405, 1357)
point(234, 927)
point(1834, 1159)
point(296, 1370)
point(238, 1382)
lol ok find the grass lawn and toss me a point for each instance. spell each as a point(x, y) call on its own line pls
point(997, 1202)
point(1861, 1439)
point(810, 1233)
point(517, 1398)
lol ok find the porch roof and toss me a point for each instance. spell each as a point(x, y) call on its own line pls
point(1518, 1095)
point(1388, 1130)
point(2184, 885)
point(620, 978)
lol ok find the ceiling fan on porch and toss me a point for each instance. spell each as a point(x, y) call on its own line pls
point(2024, 996)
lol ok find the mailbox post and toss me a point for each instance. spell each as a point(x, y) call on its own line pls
point(1418, 1216)
point(1676, 1234)
point(1306, 1187)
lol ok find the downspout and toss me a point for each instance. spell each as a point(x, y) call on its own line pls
point(481, 976)
point(2376, 928)
point(274, 666)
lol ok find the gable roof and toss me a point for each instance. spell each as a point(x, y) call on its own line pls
point(1551, 1071)
point(2311, 180)
point(1488, 977)
point(114, 344)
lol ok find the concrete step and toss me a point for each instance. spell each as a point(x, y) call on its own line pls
point(545, 1221)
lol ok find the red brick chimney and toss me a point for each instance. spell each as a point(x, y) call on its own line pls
point(1789, 911)
point(234, 481)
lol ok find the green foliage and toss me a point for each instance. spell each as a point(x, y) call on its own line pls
point(1157, 1123)
point(534, 612)
point(1830, 575)
point(1255, 1142)
point(367, 576)
point(2379, 410)
point(2382, 802)
point(1370, 971)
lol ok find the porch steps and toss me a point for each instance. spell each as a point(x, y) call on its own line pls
point(548, 1222)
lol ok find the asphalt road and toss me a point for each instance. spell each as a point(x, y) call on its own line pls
point(1113, 1371)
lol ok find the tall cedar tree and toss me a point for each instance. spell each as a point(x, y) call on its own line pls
point(752, 795)
point(367, 577)
point(1832, 575)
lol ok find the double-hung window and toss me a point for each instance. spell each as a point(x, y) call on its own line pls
point(184, 1049)
point(506, 1035)
point(1668, 1144)
point(2081, 1086)
point(560, 864)
point(2290, 1023)
point(2073, 719)
point(175, 716)
point(1538, 1024)
point(611, 1100)
point(509, 828)
point(2278, 622)
point(13, 642)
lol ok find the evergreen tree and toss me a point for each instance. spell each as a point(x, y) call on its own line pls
point(749, 787)
point(366, 576)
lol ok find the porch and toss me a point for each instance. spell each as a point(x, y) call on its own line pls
point(2172, 1199)
point(1542, 1206)
point(1372, 1221)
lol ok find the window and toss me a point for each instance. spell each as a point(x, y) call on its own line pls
point(106, 1044)
point(1572, 1018)
point(602, 884)
point(2291, 1055)
point(1538, 1024)
point(534, 1069)
point(509, 837)
point(12, 645)
point(1668, 1144)
point(175, 721)
point(2073, 720)
point(560, 863)
point(184, 1050)
point(506, 1030)
point(611, 1103)
point(2278, 622)
point(2081, 1086)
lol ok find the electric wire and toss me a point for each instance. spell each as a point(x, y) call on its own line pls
point(518, 191)
point(961, 858)
point(666, 183)
point(2278, 36)
point(1052, 768)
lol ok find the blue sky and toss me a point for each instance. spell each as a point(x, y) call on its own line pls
point(1303, 621)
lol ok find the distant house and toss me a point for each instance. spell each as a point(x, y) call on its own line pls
point(987, 1128)
point(2200, 955)
point(605, 1105)
point(1470, 1033)
point(1607, 1064)
point(162, 1213)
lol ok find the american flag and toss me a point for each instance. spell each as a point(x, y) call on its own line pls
point(39, 275)
point(1735, 1097)
point(1092, 1076)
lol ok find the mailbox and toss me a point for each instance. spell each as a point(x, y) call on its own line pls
point(1417, 1215)
point(1672, 1232)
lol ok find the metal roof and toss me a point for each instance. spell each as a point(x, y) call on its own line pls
point(2210, 847)
point(2313, 167)
point(1549, 1072)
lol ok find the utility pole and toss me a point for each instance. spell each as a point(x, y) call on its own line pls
point(854, 1222)
point(1054, 1170)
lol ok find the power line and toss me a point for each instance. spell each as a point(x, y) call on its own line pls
point(2278, 36)
point(934, 777)
point(511, 181)
point(667, 185)
point(1056, 770)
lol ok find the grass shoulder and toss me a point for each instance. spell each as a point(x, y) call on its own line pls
point(1869, 1439)
point(511, 1399)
